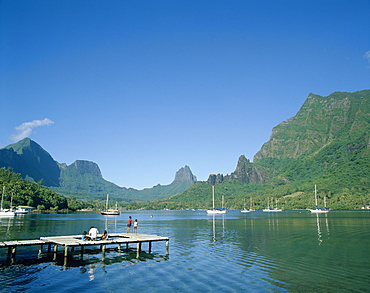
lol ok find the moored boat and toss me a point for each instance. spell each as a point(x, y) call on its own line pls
point(5, 212)
point(22, 210)
point(318, 210)
point(110, 212)
point(272, 209)
point(214, 210)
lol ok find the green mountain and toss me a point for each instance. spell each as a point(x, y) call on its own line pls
point(32, 161)
point(326, 143)
point(82, 179)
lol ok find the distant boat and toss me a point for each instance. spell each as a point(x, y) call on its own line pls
point(271, 209)
point(251, 208)
point(317, 209)
point(110, 212)
point(215, 211)
point(5, 212)
point(244, 210)
point(22, 210)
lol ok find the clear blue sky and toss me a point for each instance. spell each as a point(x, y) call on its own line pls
point(143, 88)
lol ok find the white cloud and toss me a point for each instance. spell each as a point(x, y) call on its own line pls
point(367, 55)
point(25, 129)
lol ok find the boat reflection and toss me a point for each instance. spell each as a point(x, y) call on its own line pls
point(214, 226)
point(319, 231)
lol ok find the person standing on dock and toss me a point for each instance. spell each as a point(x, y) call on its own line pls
point(129, 223)
point(93, 233)
point(135, 226)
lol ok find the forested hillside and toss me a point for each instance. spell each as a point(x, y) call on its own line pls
point(22, 192)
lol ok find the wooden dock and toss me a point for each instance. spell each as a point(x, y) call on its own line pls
point(73, 241)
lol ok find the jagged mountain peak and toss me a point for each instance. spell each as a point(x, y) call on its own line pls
point(184, 174)
point(82, 178)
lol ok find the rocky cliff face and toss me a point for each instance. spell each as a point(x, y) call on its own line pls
point(245, 172)
point(319, 121)
point(184, 175)
point(85, 167)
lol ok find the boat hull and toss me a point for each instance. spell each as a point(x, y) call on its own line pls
point(216, 212)
point(319, 211)
point(272, 210)
point(7, 214)
point(110, 213)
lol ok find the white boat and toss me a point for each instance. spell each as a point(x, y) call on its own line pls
point(271, 209)
point(215, 211)
point(5, 212)
point(110, 212)
point(317, 210)
point(22, 210)
point(251, 208)
point(244, 210)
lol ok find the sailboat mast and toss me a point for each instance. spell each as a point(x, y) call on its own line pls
point(11, 202)
point(106, 205)
point(213, 197)
point(2, 197)
point(316, 197)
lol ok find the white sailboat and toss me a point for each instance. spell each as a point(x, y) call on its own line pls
point(5, 212)
point(251, 208)
point(271, 209)
point(244, 210)
point(215, 211)
point(317, 210)
point(110, 212)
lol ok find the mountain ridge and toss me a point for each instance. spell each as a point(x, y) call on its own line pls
point(327, 143)
point(81, 179)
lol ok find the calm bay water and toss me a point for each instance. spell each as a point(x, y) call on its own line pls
point(291, 251)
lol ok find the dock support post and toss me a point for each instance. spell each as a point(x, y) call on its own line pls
point(49, 247)
point(11, 252)
point(66, 251)
point(119, 246)
point(138, 248)
point(55, 251)
point(167, 246)
point(103, 249)
point(14, 249)
point(150, 246)
point(40, 250)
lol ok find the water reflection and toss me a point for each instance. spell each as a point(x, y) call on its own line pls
point(319, 232)
point(256, 252)
point(214, 226)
